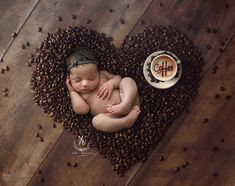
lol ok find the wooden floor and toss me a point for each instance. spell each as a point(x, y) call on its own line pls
point(210, 145)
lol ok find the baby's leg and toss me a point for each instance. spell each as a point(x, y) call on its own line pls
point(106, 123)
point(128, 93)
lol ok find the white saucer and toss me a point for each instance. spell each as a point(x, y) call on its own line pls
point(160, 84)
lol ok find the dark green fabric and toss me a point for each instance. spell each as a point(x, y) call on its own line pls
point(79, 57)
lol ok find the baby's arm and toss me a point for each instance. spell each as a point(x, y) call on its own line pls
point(114, 79)
point(78, 104)
point(113, 82)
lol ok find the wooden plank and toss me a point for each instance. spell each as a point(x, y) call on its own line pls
point(206, 154)
point(13, 15)
point(192, 18)
point(22, 152)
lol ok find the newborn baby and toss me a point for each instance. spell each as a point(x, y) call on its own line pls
point(111, 99)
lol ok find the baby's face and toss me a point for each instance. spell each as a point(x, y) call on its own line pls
point(84, 78)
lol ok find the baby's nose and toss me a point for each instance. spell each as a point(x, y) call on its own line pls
point(85, 83)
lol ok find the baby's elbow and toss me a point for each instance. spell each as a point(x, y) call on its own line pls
point(81, 110)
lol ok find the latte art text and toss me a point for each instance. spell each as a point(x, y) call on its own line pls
point(163, 68)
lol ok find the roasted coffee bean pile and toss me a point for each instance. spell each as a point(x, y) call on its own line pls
point(159, 108)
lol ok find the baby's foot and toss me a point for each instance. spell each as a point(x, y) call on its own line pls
point(132, 116)
point(120, 109)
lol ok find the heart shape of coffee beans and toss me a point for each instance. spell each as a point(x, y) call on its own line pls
point(159, 108)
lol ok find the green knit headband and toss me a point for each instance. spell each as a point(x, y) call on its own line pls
point(79, 57)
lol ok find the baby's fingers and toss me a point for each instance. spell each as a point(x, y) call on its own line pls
point(104, 94)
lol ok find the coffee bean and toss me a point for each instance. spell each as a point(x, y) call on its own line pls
point(27, 43)
point(122, 21)
point(39, 29)
point(14, 34)
point(39, 126)
point(2, 70)
point(161, 158)
point(208, 46)
point(160, 4)
point(53, 125)
point(5, 94)
point(214, 30)
point(226, 5)
point(215, 174)
point(39, 171)
point(28, 64)
point(58, 30)
point(41, 180)
point(5, 89)
point(185, 164)
point(185, 149)
point(74, 17)
point(208, 30)
point(75, 164)
point(205, 120)
point(222, 140)
point(59, 18)
point(1, 58)
point(88, 21)
point(23, 46)
point(110, 10)
point(37, 135)
point(41, 139)
point(221, 50)
point(215, 148)
point(227, 97)
point(216, 96)
point(68, 164)
point(222, 43)
point(142, 22)
point(7, 68)
point(222, 88)
point(177, 169)
point(188, 26)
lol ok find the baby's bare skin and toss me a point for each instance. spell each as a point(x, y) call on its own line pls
point(112, 100)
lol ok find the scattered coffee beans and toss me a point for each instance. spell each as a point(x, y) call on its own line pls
point(222, 88)
point(14, 34)
point(205, 120)
point(122, 21)
point(39, 171)
point(41, 180)
point(59, 18)
point(128, 146)
point(227, 97)
point(88, 21)
point(41, 139)
point(185, 149)
point(75, 164)
point(27, 43)
point(37, 134)
point(216, 96)
point(39, 126)
point(39, 29)
point(161, 158)
point(74, 17)
point(208, 47)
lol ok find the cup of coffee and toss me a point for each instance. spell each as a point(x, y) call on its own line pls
point(163, 67)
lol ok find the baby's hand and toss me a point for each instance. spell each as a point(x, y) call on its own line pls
point(105, 90)
point(68, 83)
